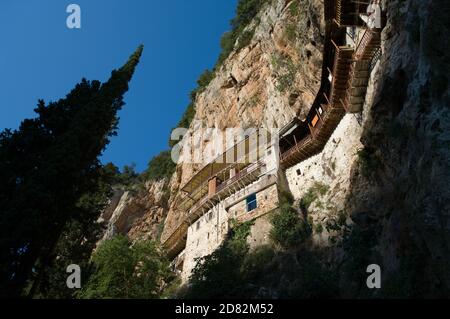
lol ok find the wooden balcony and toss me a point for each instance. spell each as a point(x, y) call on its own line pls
point(177, 240)
point(299, 152)
point(243, 178)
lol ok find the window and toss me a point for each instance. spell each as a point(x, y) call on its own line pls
point(299, 172)
point(251, 203)
point(198, 225)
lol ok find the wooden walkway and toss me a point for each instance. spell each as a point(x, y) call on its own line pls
point(349, 80)
point(360, 71)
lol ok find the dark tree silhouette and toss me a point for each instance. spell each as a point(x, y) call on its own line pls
point(46, 166)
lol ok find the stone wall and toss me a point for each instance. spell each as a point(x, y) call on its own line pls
point(209, 231)
point(333, 168)
point(267, 200)
point(260, 231)
point(203, 237)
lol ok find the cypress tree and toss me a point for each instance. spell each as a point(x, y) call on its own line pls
point(46, 166)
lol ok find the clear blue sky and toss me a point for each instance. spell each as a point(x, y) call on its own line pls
point(41, 58)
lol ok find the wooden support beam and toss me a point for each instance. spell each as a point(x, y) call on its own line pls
point(326, 97)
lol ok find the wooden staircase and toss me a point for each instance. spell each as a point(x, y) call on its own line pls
point(360, 71)
point(370, 42)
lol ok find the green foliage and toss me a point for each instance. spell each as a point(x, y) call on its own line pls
point(233, 271)
point(172, 290)
point(205, 78)
point(216, 275)
point(294, 8)
point(291, 32)
point(188, 116)
point(318, 228)
point(251, 265)
point(253, 101)
point(124, 271)
point(246, 11)
point(289, 229)
point(321, 188)
point(128, 176)
point(313, 193)
point(239, 234)
point(245, 39)
point(292, 27)
point(46, 167)
point(309, 198)
point(227, 43)
point(238, 36)
point(77, 241)
point(286, 71)
point(161, 166)
point(263, 273)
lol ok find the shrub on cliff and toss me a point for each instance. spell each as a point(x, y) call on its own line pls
point(246, 11)
point(161, 166)
point(125, 271)
point(289, 229)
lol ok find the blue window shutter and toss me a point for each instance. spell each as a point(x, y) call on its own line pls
point(251, 203)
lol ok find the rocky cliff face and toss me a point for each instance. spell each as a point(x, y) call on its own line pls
point(381, 184)
point(399, 196)
point(379, 189)
point(137, 214)
point(274, 78)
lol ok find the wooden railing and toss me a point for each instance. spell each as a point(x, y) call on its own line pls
point(239, 176)
point(363, 44)
point(254, 154)
point(247, 171)
point(294, 149)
